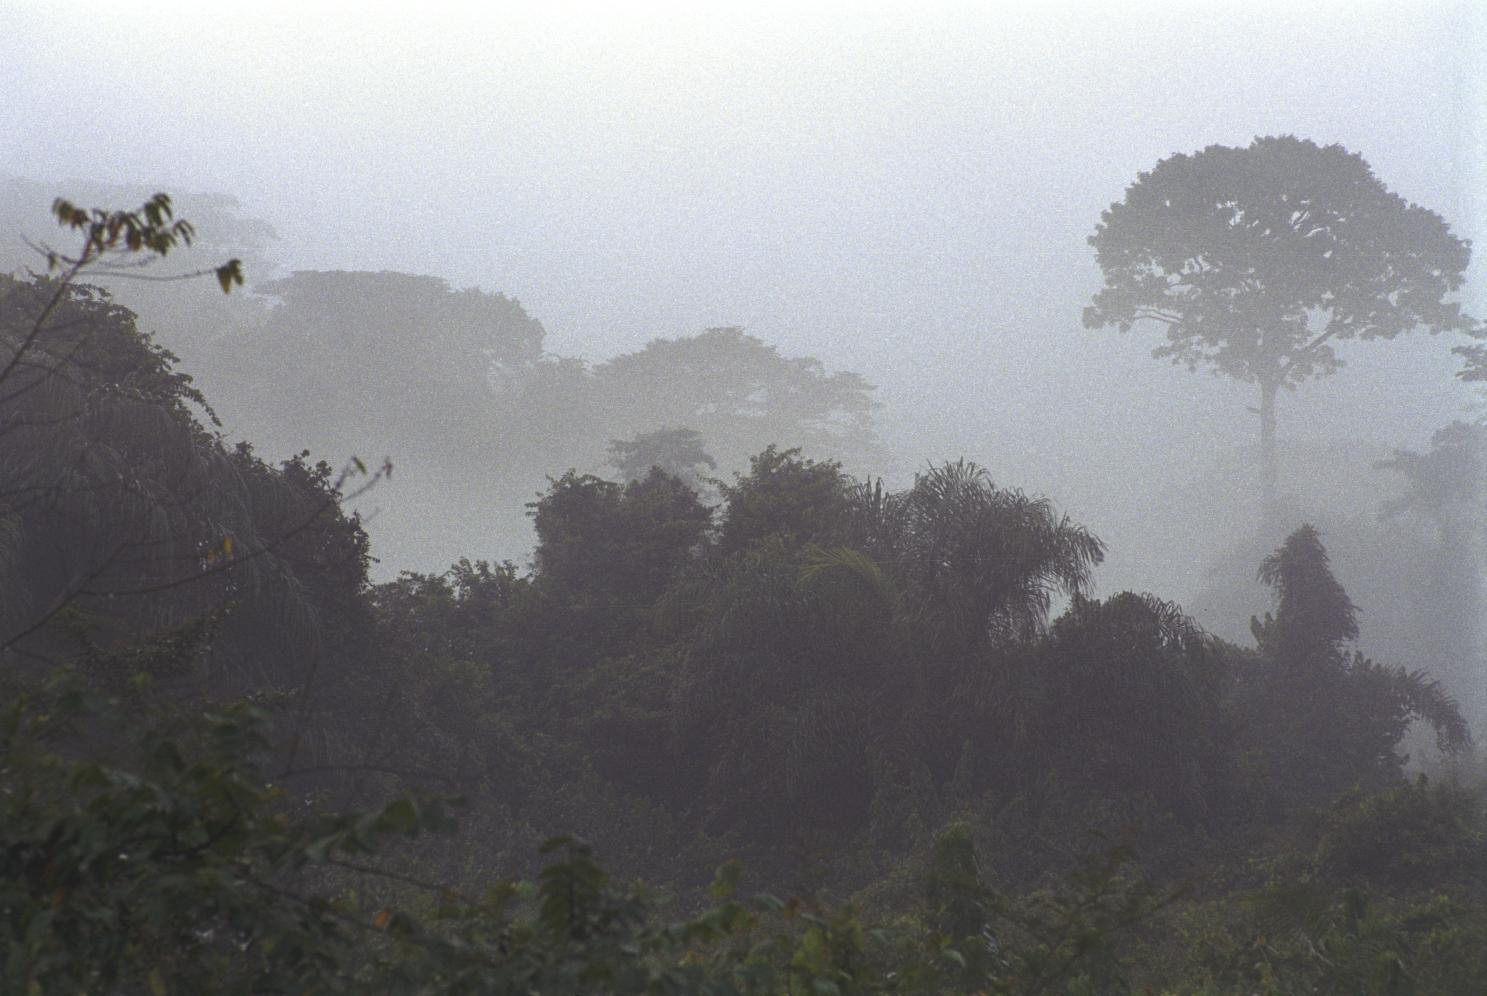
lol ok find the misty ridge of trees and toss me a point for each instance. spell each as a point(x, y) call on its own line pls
point(904, 705)
point(456, 386)
point(1258, 261)
point(346, 363)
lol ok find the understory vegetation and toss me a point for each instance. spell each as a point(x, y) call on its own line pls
point(790, 731)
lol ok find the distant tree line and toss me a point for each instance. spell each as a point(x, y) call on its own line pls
point(224, 749)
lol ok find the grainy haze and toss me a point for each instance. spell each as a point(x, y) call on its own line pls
point(902, 191)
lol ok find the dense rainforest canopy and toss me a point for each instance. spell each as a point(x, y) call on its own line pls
point(229, 761)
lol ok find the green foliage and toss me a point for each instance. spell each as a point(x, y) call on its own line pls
point(787, 497)
point(1304, 697)
point(124, 515)
point(1133, 699)
point(606, 552)
point(980, 563)
point(165, 878)
point(1313, 615)
point(769, 635)
point(191, 872)
point(1304, 937)
point(1417, 835)
point(152, 229)
point(857, 691)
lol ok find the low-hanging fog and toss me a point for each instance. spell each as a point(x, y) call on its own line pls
point(678, 498)
point(903, 193)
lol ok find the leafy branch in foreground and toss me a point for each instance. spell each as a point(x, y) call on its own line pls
point(152, 229)
point(117, 243)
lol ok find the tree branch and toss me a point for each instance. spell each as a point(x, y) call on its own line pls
point(1304, 350)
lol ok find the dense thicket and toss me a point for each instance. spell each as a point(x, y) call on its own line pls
point(906, 707)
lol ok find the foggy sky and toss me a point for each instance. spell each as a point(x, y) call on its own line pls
point(903, 192)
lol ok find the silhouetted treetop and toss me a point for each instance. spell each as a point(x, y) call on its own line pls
point(678, 452)
point(1257, 260)
point(741, 395)
point(394, 362)
point(404, 314)
point(1313, 614)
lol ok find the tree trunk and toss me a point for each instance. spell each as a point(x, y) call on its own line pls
point(1269, 512)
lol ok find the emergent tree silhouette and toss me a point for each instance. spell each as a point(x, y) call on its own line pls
point(678, 452)
point(1256, 260)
